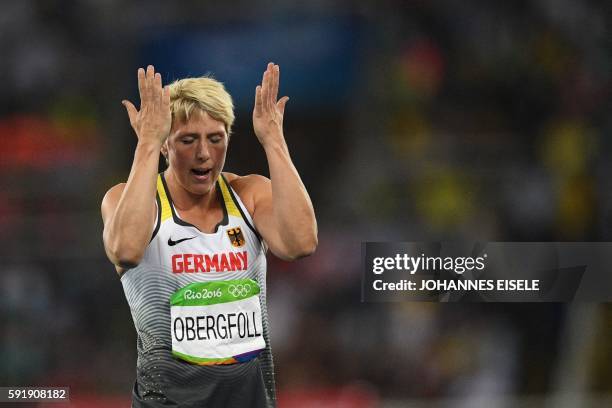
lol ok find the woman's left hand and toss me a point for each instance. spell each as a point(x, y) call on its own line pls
point(268, 112)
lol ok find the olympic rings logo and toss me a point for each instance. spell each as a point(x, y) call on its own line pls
point(239, 289)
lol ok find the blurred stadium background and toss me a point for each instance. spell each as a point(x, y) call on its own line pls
point(408, 120)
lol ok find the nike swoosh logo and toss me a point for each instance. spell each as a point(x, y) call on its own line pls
point(178, 241)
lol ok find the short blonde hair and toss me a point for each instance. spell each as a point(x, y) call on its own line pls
point(203, 93)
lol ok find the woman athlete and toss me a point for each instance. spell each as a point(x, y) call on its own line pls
point(189, 244)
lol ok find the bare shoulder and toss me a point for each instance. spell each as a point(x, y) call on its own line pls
point(110, 200)
point(250, 188)
point(248, 182)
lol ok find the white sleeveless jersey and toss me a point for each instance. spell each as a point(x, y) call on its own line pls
point(198, 300)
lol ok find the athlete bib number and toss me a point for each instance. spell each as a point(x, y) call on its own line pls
point(217, 322)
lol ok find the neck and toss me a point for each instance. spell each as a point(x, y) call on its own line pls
point(184, 199)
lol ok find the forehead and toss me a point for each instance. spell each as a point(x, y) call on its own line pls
point(199, 122)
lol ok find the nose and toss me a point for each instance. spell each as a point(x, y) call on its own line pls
point(202, 153)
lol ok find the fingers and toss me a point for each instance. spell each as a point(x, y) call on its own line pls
point(281, 104)
point(166, 96)
point(141, 84)
point(274, 83)
point(258, 102)
point(157, 81)
point(131, 110)
point(270, 83)
point(150, 78)
point(265, 92)
point(153, 120)
point(158, 90)
point(150, 87)
point(269, 87)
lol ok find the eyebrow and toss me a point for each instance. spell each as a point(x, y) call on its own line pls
point(194, 134)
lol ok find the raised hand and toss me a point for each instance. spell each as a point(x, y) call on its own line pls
point(268, 112)
point(153, 121)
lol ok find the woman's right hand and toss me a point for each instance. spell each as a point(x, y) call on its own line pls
point(153, 121)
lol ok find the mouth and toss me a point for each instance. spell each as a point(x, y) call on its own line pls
point(201, 173)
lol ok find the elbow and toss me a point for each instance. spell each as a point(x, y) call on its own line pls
point(310, 246)
point(126, 259)
point(305, 248)
point(128, 262)
point(125, 256)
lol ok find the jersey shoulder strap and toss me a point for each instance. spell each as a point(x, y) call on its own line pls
point(233, 202)
point(163, 206)
point(163, 202)
point(233, 208)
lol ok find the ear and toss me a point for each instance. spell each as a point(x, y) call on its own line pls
point(164, 150)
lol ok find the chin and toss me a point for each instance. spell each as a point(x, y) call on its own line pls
point(201, 189)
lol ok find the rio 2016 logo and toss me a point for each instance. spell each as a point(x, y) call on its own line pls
point(203, 294)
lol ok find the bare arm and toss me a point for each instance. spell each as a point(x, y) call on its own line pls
point(283, 212)
point(128, 210)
